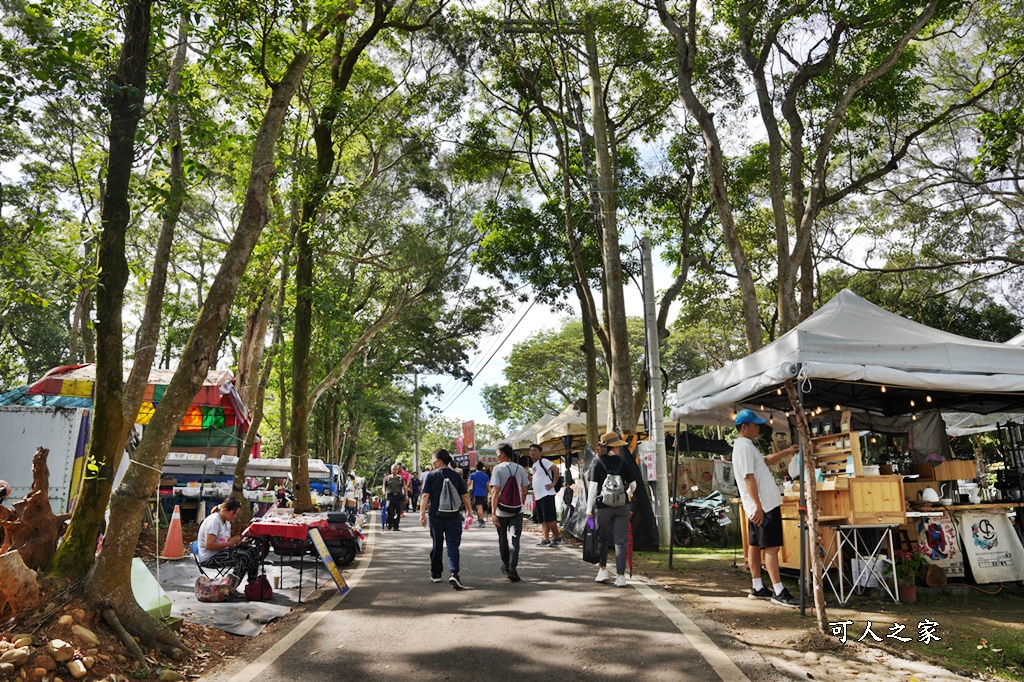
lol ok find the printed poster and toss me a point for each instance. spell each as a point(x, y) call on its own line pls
point(937, 540)
point(992, 546)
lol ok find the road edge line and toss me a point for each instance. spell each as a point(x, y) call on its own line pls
point(705, 646)
point(308, 622)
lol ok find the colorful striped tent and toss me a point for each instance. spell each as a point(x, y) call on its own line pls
point(216, 419)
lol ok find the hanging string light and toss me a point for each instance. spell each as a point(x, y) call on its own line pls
point(883, 389)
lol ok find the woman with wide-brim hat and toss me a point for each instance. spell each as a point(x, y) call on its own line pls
point(608, 495)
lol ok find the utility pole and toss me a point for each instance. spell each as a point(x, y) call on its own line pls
point(416, 425)
point(655, 397)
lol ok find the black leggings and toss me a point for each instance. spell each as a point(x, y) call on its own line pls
point(243, 560)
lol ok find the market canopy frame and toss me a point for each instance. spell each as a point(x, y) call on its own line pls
point(857, 355)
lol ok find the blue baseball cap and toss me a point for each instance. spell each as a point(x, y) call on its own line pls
point(748, 417)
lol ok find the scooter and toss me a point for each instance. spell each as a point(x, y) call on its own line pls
point(703, 517)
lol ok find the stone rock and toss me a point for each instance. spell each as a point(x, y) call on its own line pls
point(103, 657)
point(790, 653)
point(16, 657)
point(85, 635)
point(25, 638)
point(121, 658)
point(811, 657)
point(5, 645)
point(79, 614)
point(61, 651)
point(77, 669)
point(44, 661)
point(89, 662)
point(168, 675)
point(6, 670)
point(37, 673)
point(92, 651)
point(65, 620)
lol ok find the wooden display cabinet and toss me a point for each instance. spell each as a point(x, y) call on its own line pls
point(832, 452)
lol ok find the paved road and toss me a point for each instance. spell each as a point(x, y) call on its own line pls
point(557, 624)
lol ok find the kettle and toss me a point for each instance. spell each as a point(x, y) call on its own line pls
point(929, 495)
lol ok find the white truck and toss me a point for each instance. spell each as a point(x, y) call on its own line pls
point(64, 431)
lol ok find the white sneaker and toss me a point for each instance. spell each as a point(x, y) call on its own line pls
point(620, 581)
point(602, 576)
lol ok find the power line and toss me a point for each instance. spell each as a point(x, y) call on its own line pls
point(450, 402)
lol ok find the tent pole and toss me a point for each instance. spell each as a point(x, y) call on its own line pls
point(802, 506)
point(675, 487)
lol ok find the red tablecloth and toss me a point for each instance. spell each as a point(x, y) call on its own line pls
point(292, 530)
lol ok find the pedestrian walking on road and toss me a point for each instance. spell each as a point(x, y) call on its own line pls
point(544, 476)
point(480, 480)
point(508, 490)
point(762, 504)
point(445, 525)
point(611, 485)
point(394, 491)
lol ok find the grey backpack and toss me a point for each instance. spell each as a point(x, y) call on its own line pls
point(449, 504)
point(613, 490)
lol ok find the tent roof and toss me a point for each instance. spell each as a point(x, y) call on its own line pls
point(846, 351)
point(521, 440)
point(572, 422)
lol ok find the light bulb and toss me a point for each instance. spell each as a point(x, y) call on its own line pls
point(913, 417)
point(883, 389)
point(838, 408)
point(912, 403)
point(778, 391)
point(928, 398)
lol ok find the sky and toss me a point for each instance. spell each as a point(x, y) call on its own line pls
point(469, 406)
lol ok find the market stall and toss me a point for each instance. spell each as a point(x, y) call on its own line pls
point(861, 373)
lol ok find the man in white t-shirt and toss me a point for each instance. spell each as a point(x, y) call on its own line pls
point(544, 476)
point(762, 503)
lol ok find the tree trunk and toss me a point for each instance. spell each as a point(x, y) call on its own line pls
point(615, 304)
point(124, 99)
point(113, 567)
point(34, 529)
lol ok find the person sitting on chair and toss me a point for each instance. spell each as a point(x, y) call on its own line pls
point(218, 548)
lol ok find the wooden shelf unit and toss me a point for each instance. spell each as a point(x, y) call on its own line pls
point(831, 453)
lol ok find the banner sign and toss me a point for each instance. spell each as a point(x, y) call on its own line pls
point(937, 540)
point(325, 556)
point(468, 437)
point(647, 450)
point(992, 546)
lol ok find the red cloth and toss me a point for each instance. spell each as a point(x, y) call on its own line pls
point(290, 530)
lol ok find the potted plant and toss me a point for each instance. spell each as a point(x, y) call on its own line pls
point(908, 564)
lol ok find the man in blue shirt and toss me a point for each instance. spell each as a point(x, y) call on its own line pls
point(480, 481)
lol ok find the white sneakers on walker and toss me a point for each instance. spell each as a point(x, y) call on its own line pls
point(620, 581)
point(602, 576)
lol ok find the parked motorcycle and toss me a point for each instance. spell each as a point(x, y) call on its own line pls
point(705, 518)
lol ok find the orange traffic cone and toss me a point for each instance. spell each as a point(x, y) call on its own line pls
point(173, 547)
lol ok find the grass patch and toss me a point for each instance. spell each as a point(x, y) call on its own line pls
point(981, 633)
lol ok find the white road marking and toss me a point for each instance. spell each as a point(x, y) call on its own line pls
point(716, 658)
point(311, 620)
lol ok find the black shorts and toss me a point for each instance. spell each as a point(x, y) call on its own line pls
point(769, 533)
point(479, 500)
point(546, 509)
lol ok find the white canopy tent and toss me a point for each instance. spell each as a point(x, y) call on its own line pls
point(572, 422)
point(846, 353)
point(521, 440)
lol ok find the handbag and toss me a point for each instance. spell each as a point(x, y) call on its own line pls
point(215, 589)
point(259, 589)
point(591, 554)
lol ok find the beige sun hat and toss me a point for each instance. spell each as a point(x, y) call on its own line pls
point(611, 439)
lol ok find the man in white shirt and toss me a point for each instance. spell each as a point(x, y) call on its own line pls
point(507, 514)
point(762, 504)
point(544, 476)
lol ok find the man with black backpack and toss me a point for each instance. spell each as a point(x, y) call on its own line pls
point(508, 490)
point(443, 498)
point(608, 492)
